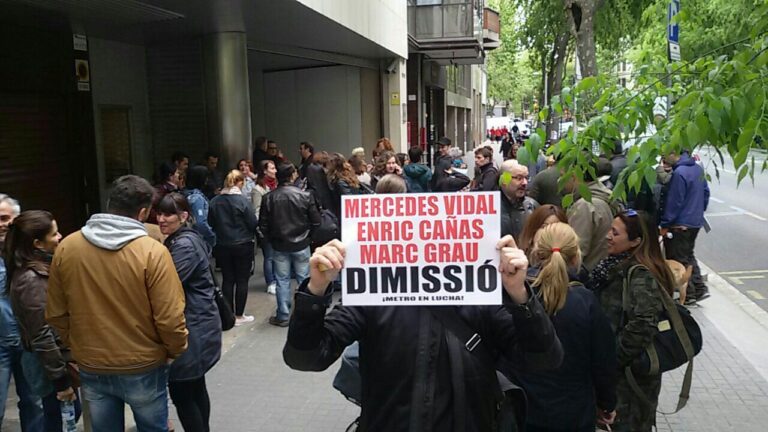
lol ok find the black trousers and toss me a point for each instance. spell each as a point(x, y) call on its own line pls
point(680, 248)
point(192, 404)
point(235, 262)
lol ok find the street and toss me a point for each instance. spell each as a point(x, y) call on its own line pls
point(739, 220)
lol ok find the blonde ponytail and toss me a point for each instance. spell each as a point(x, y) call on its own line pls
point(556, 246)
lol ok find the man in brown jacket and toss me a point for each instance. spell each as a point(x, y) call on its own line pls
point(116, 300)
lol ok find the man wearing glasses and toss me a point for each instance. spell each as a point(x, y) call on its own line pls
point(515, 204)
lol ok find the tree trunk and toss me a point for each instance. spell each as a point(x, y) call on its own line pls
point(581, 17)
point(556, 72)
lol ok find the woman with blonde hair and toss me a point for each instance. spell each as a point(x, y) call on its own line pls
point(391, 183)
point(234, 222)
point(568, 398)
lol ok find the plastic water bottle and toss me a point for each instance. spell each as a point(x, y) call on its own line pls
point(68, 417)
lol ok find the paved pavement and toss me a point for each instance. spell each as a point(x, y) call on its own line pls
point(252, 390)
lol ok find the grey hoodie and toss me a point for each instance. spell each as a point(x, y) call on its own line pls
point(112, 232)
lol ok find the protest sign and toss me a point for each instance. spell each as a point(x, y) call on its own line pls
point(421, 249)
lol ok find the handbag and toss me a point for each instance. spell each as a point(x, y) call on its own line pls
point(678, 341)
point(328, 229)
point(226, 313)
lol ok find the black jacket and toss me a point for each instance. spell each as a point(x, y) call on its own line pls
point(514, 215)
point(232, 219)
point(442, 163)
point(339, 188)
point(453, 182)
point(488, 178)
point(260, 155)
point(190, 256)
point(317, 184)
point(287, 217)
point(404, 366)
point(565, 398)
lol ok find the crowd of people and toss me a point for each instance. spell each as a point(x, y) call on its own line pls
point(129, 301)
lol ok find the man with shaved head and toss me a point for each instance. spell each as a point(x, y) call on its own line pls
point(515, 204)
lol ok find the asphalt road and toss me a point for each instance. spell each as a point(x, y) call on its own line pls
point(736, 248)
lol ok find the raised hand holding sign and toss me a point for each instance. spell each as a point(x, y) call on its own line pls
point(513, 266)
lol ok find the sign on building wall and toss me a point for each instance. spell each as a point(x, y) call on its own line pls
point(421, 249)
point(394, 98)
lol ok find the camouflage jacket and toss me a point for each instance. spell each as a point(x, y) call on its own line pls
point(635, 329)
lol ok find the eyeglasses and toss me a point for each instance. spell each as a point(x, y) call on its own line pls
point(271, 148)
point(520, 177)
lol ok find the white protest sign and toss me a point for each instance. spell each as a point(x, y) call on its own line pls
point(421, 249)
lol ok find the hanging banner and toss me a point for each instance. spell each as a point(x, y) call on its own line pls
point(421, 249)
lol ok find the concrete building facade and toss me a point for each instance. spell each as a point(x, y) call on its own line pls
point(95, 89)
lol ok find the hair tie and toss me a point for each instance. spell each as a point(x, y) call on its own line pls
point(555, 250)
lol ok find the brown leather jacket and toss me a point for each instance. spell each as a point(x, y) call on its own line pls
point(28, 298)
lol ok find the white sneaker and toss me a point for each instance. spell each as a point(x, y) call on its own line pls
point(272, 288)
point(243, 320)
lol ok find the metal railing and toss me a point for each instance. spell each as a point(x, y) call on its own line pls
point(443, 19)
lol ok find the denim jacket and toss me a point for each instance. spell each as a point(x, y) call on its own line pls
point(9, 330)
point(198, 203)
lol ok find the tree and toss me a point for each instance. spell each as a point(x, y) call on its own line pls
point(721, 105)
point(581, 19)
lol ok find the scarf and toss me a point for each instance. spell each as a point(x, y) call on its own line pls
point(270, 183)
point(234, 190)
point(599, 276)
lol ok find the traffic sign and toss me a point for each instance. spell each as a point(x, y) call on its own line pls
point(673, 31)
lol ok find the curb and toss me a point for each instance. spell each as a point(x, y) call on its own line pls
point(739, 319)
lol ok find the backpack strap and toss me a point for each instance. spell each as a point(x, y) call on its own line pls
point(682, 335)
point(468, 339)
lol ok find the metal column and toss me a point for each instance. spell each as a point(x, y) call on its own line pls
point(228, 105)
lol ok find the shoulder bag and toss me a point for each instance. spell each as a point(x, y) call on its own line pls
point(679, 339)
point(226, 313)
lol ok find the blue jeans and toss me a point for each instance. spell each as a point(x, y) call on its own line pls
point(30, 405)
point(269, 263)
point(146, 393)
point(287, 264)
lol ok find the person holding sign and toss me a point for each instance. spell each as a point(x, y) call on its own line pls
point(417, 373)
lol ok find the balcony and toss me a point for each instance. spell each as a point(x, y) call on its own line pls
point(491, 29)
point(449, 31)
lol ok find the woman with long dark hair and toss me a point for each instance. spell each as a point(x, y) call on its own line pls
point(386, 163)
point(166, 181)
point(266, 182)
point(633, 244)
point(568, 397)
point(29, 247)
point(343, 181)
point(186, 381)
point(234, 222)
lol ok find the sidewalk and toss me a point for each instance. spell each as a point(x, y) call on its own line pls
point(251, 389)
